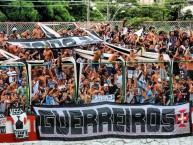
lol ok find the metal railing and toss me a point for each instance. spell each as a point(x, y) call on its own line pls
point(169, 25)
point(22, 26)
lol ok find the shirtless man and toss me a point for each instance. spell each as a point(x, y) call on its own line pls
point(189, 65)
point(25, 34)
point(156, 76)
point(96, 59)
point(131, 68)
point(37, 33)
point(1, 36)
point(13, 49)
point(151, 36)
point(114, 57)
point(49, 58)
point(159, 89)
point(43, 79)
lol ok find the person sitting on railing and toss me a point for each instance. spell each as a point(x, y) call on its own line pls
point(95, 61)
point(15, 34)
point(37, 32)
point(151, 36)
point(131, 69)
point(26, 34)
point(49, 59)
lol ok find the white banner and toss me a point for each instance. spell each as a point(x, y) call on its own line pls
point(102, 98)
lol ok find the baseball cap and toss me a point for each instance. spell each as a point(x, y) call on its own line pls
point(177, 77)
point(14, 28)
point(105, 85)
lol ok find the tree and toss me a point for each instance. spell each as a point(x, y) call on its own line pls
point(174, 6)
point(52, 11)
point(188, 15)
point(78, 12)
point(3, 17)
point(21, 12)
point(137, 21)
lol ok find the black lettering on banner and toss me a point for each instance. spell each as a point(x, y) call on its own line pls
point(107, 119)
point(104, 117)
point(62, 123)
point(138, 118)
point(47, 121)
point(118, 119)
point(128, 120)
point(55, 43)
point(84, 39)
point(37, 44)
point(168, 120)
point(76, 122)
point(90, 119)
point(153, 120)
point(68, 42)
point(28, 45)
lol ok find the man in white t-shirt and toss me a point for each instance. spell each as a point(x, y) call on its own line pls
point(12, 75)
point(35, 86)
point(119, 79)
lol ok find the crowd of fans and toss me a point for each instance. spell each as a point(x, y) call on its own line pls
point(58, 90)
point(145, 82)
point(13, 89)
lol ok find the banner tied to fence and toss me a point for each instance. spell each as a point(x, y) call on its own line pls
point(19, 122)
point(102, 98)
point(3, 121)
point(102, 120)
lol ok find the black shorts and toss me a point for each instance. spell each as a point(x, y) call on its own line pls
point(190, 74)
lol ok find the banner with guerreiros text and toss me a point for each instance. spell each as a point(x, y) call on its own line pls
point(101, 120)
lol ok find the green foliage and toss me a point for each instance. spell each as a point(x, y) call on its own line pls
point(55, 11)
point(188, 15)
point(59, 10)
point(3, 17)
point(78, 12)
point(137, 21)
point(24, 13)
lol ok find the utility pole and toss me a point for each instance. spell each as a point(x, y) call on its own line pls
point(107, 10)
point(88, 10)
point(19, 18)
